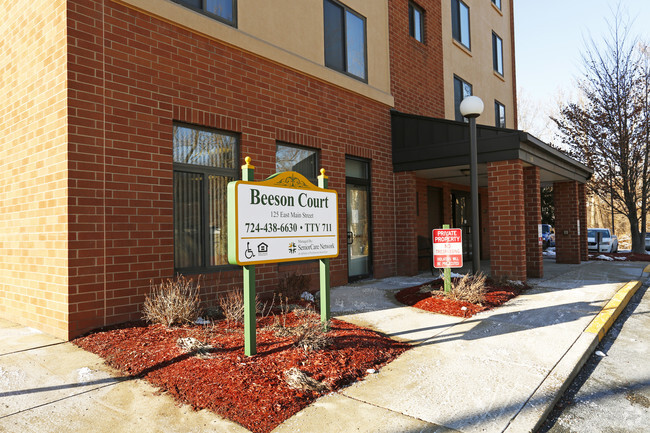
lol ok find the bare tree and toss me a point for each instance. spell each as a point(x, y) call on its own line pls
point(608, 129)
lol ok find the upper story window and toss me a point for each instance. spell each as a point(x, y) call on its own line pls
point(295, 158)
point(460, 22)
point(416, 22)
point(499, 115)
point(497, 53)
point(204, 162)
point(462, 89)
point(223, 10)
point(345, 39)
point(497, 3)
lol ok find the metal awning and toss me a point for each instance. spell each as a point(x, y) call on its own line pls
point(439, 149)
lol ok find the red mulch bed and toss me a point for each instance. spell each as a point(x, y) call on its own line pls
point(630, 257)
point(248, 390)
point(497, 294)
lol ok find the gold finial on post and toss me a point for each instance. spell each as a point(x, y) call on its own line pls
point(248, 164)
point(322, 173)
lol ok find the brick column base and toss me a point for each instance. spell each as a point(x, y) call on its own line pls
point(507, 220)
point(567, 216)
point(533, 209)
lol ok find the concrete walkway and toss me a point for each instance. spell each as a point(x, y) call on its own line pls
point(497, 371)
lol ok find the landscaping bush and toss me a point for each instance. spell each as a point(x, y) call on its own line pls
point(172, 302)
point(470, 288)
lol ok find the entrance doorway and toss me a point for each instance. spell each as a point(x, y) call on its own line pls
point(357, 174)
point(461, 215)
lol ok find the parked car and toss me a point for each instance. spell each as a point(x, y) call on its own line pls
point(548, 236)
point(608, 241)
point(647, 241)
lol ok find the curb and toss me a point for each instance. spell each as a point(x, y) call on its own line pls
point(533, 414)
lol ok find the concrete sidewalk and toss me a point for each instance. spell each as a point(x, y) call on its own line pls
point(497, 371)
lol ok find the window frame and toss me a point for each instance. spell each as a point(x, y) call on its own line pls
point(413, 8)
point(497, 114)
point(346, 10)
point(457, 24)
point(204, 11)
point(205, 171)
point(313, 179)
point(497, 54)
point(457, 115)
point(497, 4)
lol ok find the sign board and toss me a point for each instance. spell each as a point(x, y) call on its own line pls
point(284, 218)
point(447, 248)
point(540, 238)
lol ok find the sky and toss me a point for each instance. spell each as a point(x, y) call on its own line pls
point(550, 36)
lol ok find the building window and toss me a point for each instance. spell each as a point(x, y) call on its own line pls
point(462, 89)
point(460, 22)
point(497, 53)
point(499, 115)
point(204, 163)
point(497, 3)
point(300, 159)
point(345, 39)
point(416, 22)
point(222, 10)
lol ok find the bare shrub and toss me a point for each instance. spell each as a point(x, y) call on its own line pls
point(294, 283)
point(232, 306)
point(172, 302)
point(471, 288)
point(311, 334)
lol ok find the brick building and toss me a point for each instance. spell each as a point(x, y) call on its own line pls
point(123, 121)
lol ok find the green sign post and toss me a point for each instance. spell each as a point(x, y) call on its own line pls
point(283, 218)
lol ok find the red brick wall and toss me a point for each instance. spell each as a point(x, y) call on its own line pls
point(507, 219)
point(567, 240)
point(406, 223)
point(416, 68)
point(533, 208)
point(131, 76)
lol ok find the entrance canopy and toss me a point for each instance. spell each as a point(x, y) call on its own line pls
point(439, 149)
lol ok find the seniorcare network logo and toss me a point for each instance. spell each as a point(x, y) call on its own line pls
point(292, 247)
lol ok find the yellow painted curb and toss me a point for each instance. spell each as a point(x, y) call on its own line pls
point(605, 319)
point(647, 269)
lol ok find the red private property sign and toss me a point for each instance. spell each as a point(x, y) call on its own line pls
point(447, 248)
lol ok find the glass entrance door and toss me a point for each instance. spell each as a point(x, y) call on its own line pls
point(462, 218)
point(358, 216)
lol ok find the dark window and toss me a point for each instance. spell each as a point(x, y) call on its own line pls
point(497, 53)
point(460, 22)
point(499, 115)
point(497, 3)
point(204, 163)
point(345, 39)
point(223, 10)
point(462, 89)
point(300, 159)
point(416, 22)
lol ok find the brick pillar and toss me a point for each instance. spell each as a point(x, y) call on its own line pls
point(567, 241)
point(406, 223)
point(582, 210)
point(446, 205)
point(484, 224)
point(533, 209)
point(507, 219)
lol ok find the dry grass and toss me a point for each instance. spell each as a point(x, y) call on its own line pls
point(172, 302)
point(232, 306)
point(470, 288)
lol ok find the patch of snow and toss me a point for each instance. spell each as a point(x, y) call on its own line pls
point(549, 253)
point(202, 321)
point(371, 371)
point(84, 375)
point(620, 258)
point(603, 257)
point(599, 353)
point(306, 296)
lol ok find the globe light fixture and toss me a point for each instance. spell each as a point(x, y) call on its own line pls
point(472, 107)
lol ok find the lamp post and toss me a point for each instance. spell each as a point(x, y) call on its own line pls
point(472, 107)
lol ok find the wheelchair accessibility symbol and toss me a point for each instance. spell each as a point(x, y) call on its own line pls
point(248, 253)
